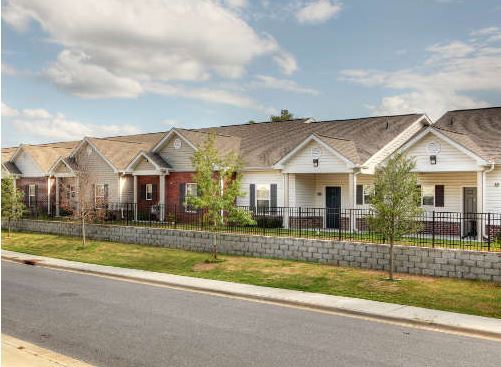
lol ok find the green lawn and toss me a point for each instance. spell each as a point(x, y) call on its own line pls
point(472, 297)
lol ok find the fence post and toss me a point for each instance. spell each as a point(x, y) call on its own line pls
point(488, 231)
point(433, 230)
point(300, 222)
point(340, 224)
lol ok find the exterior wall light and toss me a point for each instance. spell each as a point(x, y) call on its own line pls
point(315, 162)
point(433, 159)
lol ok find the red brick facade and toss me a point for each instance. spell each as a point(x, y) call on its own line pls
point(41, 195)
point(142, 181)
point(173, 181)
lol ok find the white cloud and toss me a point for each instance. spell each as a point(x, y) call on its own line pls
point(444, 81)
point(8, 111)
point(106, 55)
point(236, 4)
point(220, 96)
point(9, 69)
point(266, 81)
point(171, 123)
point(39, 124)
point(318, 11)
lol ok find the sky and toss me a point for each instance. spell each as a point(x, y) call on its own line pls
point(107, 67)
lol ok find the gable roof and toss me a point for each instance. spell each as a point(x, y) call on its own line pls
point(478, 130)
point(264, 144)
point(45, 155)
point(121, 150)
point(156, 160)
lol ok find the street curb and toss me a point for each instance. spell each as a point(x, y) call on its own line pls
point(427, 324)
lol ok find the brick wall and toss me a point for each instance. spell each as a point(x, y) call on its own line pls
point(41, 191)
point(173, 180)
point(414, 260)
point(144, 180)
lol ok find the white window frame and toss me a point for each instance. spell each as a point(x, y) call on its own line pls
point(268, 188)
point(366, 191)
point(148, 192)
point(32, 192)
point(99, 189)
point(188, 208)
point(431, 189)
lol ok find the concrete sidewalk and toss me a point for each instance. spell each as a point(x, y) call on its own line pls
point(18, 353)
point(440, 320)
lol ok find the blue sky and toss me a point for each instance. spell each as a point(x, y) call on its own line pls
point(103, 67)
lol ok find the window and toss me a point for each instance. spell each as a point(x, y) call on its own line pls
point(100, 194)
point(32, 194)
point(367, 194)
point(263, 196)
point(149, 192)
point(428, 195)
point(191, 191)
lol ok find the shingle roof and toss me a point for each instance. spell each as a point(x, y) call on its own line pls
point(223, 143)
point(7, 153)
point(120, 150)
point(345, 147)
point(11, 167)
point(45, 155)
point(478, 130)
point(263, 144)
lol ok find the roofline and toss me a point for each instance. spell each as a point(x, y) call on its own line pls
point(472, 109)
point(431, 129)
point(129, 169)
point(86, 140)
point(421, 114)
point(169, 134)
point(13, 174)
point(61, 158)
point(19, 149)
point(279, 164)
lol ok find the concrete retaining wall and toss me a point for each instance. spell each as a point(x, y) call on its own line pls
point(414, 260)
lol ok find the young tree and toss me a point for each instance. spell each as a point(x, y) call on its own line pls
point(218, 185)
point(12, 202)
point(284, 116)
point(84, 205)
point(395, 201)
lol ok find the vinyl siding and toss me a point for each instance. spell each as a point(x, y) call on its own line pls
point(302, 161)
point(179, 159)
point(27, 165)
point(304, 190)
point(144, 165)
point(453, 188)
point(449, 158)
point(493, 192)
point(62, 168)
point(127, 186)
point(100, 172)
point(321, 181)
point(364, 180)
point(262, 177)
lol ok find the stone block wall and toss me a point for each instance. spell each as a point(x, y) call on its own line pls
point(413, 260)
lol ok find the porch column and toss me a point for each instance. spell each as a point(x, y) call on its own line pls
point(352, 199)
point(480, 203)
point(48, 194)
point(161, 200)
point(135, 197)
point(57, 196)
point(286, 200)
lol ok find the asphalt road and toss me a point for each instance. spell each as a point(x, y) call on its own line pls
point(116, 323)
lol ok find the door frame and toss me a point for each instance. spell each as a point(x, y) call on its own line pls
point(340, 204)
point(463, 206)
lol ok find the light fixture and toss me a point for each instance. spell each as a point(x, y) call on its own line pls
point(315, 162)
point(433, 159)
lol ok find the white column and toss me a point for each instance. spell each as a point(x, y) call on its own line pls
point(352, 197)
point(57, 196)
point(161, 200)
point(286, 200)
point(480, 203)
point(135, 197)
point(48, 194)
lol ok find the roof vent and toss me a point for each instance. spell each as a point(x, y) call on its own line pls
point(387, 123)
point(451, 122)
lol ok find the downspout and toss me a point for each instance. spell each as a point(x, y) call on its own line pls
point(484, 173)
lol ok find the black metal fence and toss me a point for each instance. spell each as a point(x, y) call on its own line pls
point(476, 231)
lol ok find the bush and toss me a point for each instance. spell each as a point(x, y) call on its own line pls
point(268, 221)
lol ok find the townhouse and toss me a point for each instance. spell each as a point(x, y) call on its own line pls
point(296, 163)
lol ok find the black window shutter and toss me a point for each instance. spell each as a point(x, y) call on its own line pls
point(439, 195)
point(154, 192)
point(273, 195)
point(360, 194)
point(106, 193)
point(26, 194)
point(182, 194)
point(252, 195)
point(35, 196)
point(143, 192)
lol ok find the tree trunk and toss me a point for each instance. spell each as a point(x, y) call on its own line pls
point(83, 230)
point(9, 227)
point(214, 244)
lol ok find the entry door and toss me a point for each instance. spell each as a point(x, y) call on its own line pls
point(469, 210)
point(333, 206)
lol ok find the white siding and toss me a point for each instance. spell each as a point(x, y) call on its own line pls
point(144, 165)
point(322, 181)
point(453, 188)
point(302, 161)
point(493, 192)
point(100, 172)
point(305, 190)
point(449, 158)
point(363, 180)
point(179, 159)
point(27, 165)
point(62, 168)
point(261, 177)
